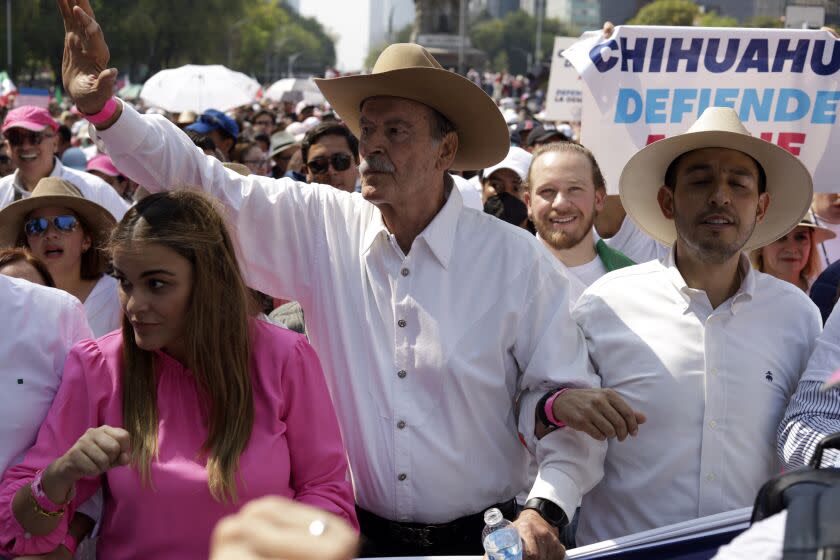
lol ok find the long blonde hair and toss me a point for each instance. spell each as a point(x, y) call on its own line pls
point(216, 338)
point(808, 273)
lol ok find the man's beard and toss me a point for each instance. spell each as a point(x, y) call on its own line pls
point(712, 250)
point(562, 239)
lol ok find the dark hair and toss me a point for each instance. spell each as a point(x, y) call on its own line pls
point(566, 147)
point(670, 180)
point(64, 133)
point(257, 115)
point(329, 129)
point(237, 154)
point(19, 254)
point(203, 141)
point(441, 126)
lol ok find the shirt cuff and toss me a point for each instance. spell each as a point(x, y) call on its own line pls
point(555, 486)
point(126, 134)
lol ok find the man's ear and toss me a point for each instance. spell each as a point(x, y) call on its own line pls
point(761, 208)
point(600, 200)
point(447, 150)
point(665, 197)
point(526, 196)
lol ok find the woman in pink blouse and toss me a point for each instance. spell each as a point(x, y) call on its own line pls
point(190, 411)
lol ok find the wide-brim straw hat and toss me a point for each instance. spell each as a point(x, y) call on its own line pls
point(52, 191)
point(409, 71)
point(818, 233)
point(789, 183)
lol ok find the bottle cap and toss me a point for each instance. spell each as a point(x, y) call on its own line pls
point(493, 517)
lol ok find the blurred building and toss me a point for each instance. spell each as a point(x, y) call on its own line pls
point(583, 14)
point(495, 8)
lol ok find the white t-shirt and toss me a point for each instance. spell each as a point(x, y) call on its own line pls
point(102, 307)
point(589, 272)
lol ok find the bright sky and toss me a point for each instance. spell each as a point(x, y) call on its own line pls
point(348, 19)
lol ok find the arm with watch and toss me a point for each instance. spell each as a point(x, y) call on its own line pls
point(601, 413)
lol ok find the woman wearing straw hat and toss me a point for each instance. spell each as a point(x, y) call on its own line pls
point(66, 231)
point(794, 256)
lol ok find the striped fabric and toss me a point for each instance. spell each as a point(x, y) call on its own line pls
point(811, 415)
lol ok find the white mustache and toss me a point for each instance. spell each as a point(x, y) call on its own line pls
point(376, 165)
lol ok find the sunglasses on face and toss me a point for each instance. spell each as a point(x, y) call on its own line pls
point(17, 137)
point(319, 165)
point(39, 226)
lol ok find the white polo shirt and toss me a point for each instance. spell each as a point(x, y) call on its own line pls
point(92, 188)
point(714, 384)
point(39, 327)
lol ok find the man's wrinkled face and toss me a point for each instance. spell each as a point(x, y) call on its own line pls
point(400, 156)
point(563, 200)
point(715, 203)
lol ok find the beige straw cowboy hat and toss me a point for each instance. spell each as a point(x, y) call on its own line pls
point(52, 191)
point(407, 70)
point(789, 183)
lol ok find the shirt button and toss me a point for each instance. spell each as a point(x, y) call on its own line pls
point(710, 477)
point(401, 374)
point(402, 477)
point(714, 371)
point(401, 424)
point(402, 323)
point(404, 272)
point(713, 424)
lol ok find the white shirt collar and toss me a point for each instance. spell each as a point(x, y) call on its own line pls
point(439, 235)
point(745, 291)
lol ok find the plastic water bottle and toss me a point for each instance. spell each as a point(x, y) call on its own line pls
point(500, 538)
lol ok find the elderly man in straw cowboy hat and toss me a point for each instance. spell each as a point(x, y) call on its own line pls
point(708, 349)
point(423, 367)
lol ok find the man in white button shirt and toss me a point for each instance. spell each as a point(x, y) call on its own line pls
point(30, 134)
point(40, 326)
point(423, 367)
point(709, 350)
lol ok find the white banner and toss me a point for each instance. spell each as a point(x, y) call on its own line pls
point(563, 102)
point(645, 83)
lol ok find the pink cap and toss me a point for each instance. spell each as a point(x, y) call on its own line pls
point(30, 118)
point(103, 164)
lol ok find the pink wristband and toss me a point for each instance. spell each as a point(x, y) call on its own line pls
point(106, 113)
point(549, 409)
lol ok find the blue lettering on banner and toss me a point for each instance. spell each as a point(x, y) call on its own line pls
point(660, 105)
point(825, 107)
point(760, 110)
point(801, 105)
point(755, 56)
point(636, 55)
point(690, 55)
point(711, 62)
point(642, 54)
point(655, 107)
point(623, 115)
point(796, 56)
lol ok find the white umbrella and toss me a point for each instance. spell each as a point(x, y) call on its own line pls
point(294, 90)
point(198, 88)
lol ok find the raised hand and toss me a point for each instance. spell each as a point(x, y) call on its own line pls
point(87, 78)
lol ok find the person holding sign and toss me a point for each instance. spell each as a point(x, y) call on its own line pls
point(692, 341)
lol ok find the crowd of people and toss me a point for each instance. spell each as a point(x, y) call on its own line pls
point(263, 333)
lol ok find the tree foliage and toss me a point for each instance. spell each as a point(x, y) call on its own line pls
point(148, 35)
point(667, 12)
point(713, 19)
point(508, 41)
point(764, 21)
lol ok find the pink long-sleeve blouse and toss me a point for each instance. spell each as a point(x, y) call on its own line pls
point(295, 450)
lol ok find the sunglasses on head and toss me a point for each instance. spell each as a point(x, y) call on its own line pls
point(39, 226)
point(17, 137)
point(339, 162)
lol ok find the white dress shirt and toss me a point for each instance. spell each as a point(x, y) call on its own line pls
point(713, 383)
point(41, 325)
point(813, 413)
point(765, 540)
point(102, 307)
point(423, 366)
point(92, 188)
point(636, 244)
